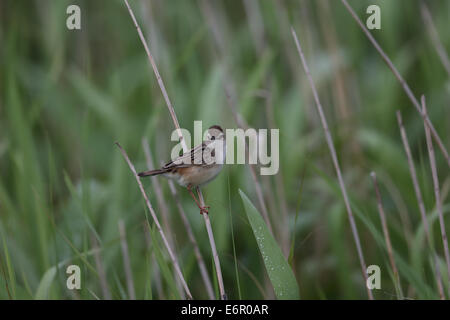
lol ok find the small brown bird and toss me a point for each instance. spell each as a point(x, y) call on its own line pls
point(198, 166)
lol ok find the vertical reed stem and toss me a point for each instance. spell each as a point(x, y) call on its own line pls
point(157, 224)
point(437, 192)
point(437, 43)
point(162, 205)
point(100, 269)
point(223, 296)
point(126, 260)
point(423, 213)
point(386, 234)
point(335, 162)
point(177, 126)
point(187, 225)
point(400, 79)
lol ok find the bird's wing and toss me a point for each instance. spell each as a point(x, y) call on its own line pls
point(192, 157)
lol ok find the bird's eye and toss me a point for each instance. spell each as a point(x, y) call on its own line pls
point(213, 138)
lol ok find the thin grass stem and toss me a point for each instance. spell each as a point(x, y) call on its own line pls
point(158, 78)
point(387, 238)
point(126, 260)
point(437, 192)
point(187, 225)
point(106, 293)
point(335, 162)
point(162, 205)
point(400, 79)
point(156, 221)
point(223, 295)
point(437, 43)
point(422, 210)
point(174, 118)
point(219, 40)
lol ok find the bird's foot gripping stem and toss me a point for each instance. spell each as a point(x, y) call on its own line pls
point(203, 209)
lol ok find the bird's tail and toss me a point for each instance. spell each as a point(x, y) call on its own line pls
point(151, 173)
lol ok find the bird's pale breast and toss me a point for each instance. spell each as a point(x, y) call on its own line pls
point(198, 175)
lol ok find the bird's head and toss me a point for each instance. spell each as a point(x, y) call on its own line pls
point(215, 133)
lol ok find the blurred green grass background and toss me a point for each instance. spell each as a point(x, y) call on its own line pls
point(67, 96)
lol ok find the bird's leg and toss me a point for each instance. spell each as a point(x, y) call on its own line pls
point(202, 208)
